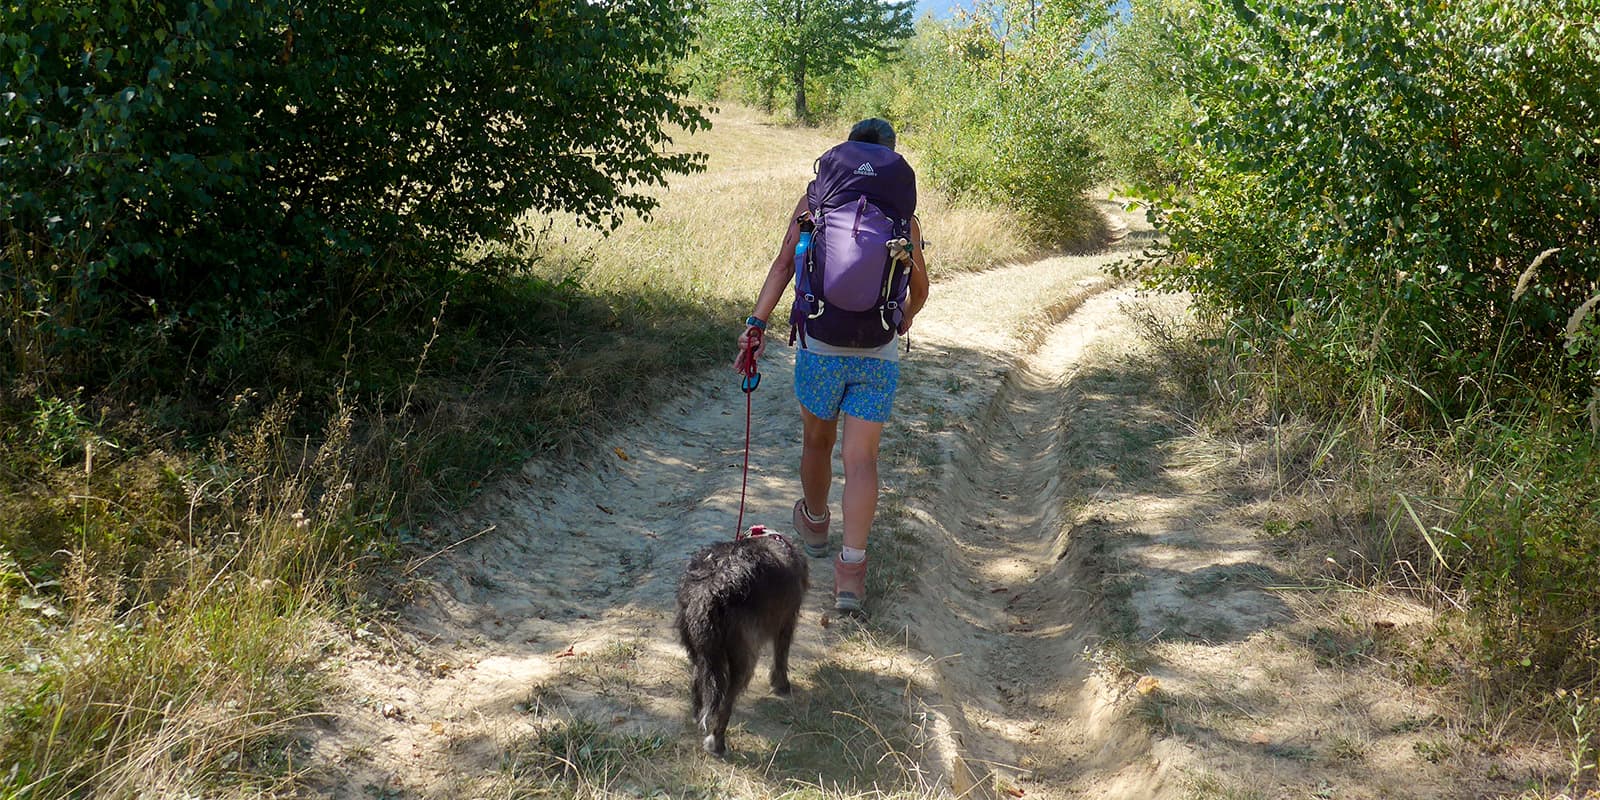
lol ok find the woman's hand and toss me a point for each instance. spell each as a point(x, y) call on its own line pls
point(751, 343)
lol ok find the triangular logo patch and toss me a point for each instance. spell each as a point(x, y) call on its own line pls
point(866, 169)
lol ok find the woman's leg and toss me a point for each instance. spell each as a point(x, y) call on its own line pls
point(865, 406)
point(817, 437)
point(860, 455)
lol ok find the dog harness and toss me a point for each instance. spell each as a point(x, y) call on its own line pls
point(756, 531)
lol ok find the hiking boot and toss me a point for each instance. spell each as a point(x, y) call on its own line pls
point(849, 587)
point(814, 535)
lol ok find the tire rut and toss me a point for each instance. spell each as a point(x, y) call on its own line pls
point(1016, 587)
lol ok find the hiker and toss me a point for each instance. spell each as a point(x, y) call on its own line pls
point(860, 283)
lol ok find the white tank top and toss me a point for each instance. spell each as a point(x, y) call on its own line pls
point(887, 352)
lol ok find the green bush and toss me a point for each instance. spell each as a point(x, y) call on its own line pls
point(1531, 546)
point(1419, 159)
point(200, 172)
point(1392, 206)
point(1143, 118)
point(1007, 117)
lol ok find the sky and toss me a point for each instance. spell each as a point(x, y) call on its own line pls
point(945, 9)
point(940, 9)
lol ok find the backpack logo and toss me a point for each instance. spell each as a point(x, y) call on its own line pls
point(866, 169)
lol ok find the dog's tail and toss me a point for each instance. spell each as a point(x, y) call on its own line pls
point(715, 682)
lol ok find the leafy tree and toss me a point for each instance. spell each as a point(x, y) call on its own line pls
point(1009, 110)
point(205, 170)
point(1393, 206)
point(1144, 117)
point(1421, 158)
point(784, 42)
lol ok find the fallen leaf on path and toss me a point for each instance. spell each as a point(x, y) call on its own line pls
point(1014, 791)
point(620, 454)
point(565, 653)
point(998, 589)
point(1260, 738)
point(1148, 684)
point(437, 728)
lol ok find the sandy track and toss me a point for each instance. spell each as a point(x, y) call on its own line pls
point(1011, 602)
point(568, 593)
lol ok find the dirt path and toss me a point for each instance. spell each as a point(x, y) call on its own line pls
point(1069, 602)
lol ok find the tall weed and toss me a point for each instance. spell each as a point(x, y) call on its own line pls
point(175, 659)
point(1530, 546)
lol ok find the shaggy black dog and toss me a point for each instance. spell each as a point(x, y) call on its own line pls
point(735, 597)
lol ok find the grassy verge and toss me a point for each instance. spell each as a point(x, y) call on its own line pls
point(1486, 523)
point(161, 610)
point(166, 590)
point(174, 556)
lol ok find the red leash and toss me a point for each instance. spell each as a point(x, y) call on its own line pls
point(752, 379)
point(738, 527)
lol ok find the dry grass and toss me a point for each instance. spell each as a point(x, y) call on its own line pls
point(1360, 512)
point(181, 669)
point(715, 233)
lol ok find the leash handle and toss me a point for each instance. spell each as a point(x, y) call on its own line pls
point(749, 346)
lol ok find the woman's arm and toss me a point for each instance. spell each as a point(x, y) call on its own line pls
point(781, 273)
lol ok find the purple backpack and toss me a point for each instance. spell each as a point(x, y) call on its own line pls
point(847, 291)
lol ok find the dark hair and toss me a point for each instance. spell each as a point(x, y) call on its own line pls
point(873, 131)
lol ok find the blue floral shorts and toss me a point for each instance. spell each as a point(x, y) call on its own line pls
point(857, 385)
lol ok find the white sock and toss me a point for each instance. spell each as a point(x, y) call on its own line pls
point(851, 555)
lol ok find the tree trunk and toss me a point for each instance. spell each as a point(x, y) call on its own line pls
point(800, 110)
